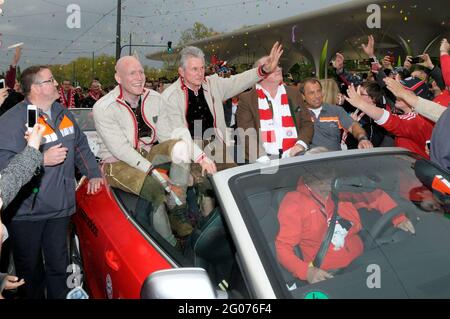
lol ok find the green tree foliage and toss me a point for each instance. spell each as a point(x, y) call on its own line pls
point(169, 73)
point(197, 32)
point(80, 72)
point(83, 70)
point(300, 71)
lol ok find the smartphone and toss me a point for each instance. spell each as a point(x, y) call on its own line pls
point(32, 116)
point(416, 59)
point(2, 83)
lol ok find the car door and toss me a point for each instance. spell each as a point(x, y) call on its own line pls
point(132, 251)
point(92, 238)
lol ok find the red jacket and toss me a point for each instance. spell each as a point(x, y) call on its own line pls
point(443, 98)
point(411, 131)
point(302, 223)
point(445, 67)
point(10, 77)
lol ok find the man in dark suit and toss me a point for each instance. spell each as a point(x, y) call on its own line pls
point(271, 120)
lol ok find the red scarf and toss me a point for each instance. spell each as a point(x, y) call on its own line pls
point(267, 124)
point(95, 96)
point(67, 103)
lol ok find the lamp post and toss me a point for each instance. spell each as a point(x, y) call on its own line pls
point(93, 64)
point(118, 32)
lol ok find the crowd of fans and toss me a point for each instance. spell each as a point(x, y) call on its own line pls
point(402, 106)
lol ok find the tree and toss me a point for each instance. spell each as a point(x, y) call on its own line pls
point(197, 32)
point(80, 71)
point(300, 71)
point(167, 72)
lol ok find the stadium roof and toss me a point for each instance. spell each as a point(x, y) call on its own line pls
point(406, 27)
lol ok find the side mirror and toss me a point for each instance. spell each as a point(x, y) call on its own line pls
point(179, 283)
point(436, 180)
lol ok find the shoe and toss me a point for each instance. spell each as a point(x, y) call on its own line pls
point(178, 221)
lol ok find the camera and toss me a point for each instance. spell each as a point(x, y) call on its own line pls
point(2, 83)
point(416, 59)
point(32, 116)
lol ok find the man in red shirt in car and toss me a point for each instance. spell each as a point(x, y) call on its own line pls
point(304, 216)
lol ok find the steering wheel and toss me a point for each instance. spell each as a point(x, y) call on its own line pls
point(403, 206)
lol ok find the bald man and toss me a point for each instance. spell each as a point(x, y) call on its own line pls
point(126, 121)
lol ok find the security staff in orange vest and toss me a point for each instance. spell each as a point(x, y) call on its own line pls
point(330, 119)
point(40, 214)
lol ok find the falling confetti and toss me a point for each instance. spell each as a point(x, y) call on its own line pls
point(293, 33)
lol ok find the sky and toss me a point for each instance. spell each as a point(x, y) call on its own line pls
point(42, 24)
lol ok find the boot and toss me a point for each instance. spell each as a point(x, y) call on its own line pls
point(178, 221)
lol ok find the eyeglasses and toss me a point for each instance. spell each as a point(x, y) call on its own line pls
point(52, 80)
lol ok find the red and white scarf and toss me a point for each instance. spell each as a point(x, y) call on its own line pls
point(268, 134)
point(95, 96)
point(67, 102)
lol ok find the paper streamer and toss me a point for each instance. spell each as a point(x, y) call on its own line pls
point(293, 33)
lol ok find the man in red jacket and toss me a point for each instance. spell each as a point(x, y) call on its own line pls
point(304, 216)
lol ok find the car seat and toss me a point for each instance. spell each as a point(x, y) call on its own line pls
point(213, 249)
point(154, 221)
point(265, 205)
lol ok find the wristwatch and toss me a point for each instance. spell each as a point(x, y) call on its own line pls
point(363, 138)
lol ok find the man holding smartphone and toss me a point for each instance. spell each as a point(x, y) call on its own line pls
point(3, 92)
point(10, 95)
point(41, 212)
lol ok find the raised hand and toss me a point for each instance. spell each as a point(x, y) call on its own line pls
point(426, 61)
point(273, 59)
point(445, 46)
point(397, 88)
point(354, 96)
point(369, 48)
point(338, 62)
point(407, 64)
point(3, 95)
point(387, 63)
point(17, 56)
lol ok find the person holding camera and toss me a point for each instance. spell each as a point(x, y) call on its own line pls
point(411, 130)
point(18, 172)
point(425, 70)
point(40, 215)
point(10, 94)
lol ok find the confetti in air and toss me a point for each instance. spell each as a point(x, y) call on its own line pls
point(293, 33)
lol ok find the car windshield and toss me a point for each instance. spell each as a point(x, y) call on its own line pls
point(391, 237)
point(85, 119)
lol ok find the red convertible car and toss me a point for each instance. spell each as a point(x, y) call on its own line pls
point(122, 244)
